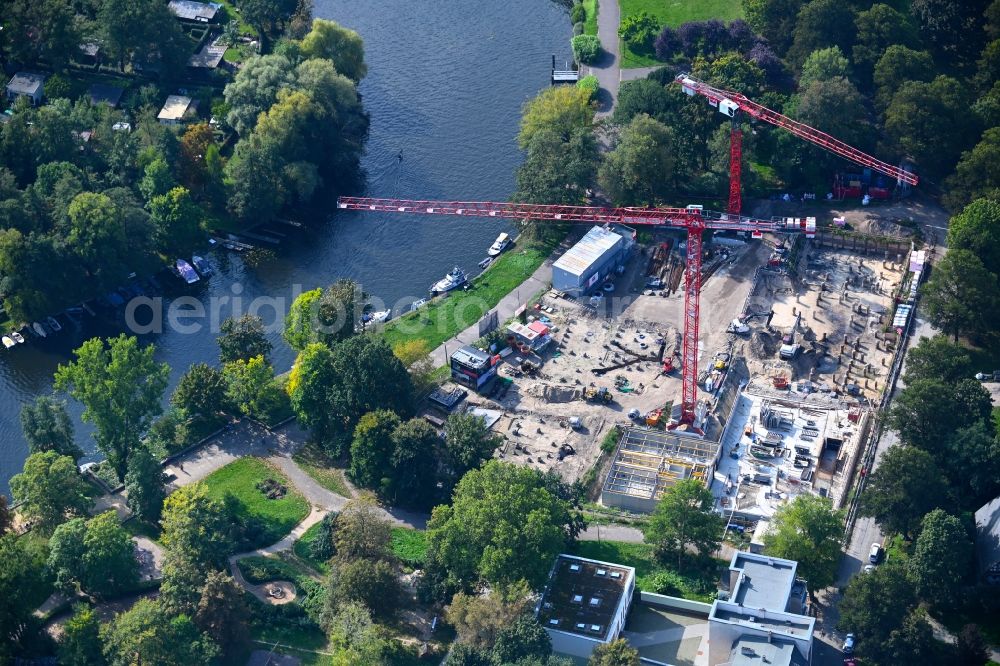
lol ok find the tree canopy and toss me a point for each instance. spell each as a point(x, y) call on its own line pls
point(50, 490)
point(906, 485)
point(684, 518)
point(47, 427)
point(809, 531)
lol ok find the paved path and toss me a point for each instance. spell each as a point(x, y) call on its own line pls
point(607, 69)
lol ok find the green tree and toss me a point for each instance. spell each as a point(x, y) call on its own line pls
point(363, 532)
point(23, 575)
point(951, 27)
point(921, 113)
point(334, 42)
point(6, 515)
point(145, 27)
point(684, 518)
point(178, 222)
point(201, 392)
point(145, 486)
point(521, 640)
point(973, 464)
point(641, 170)
point(255, 88)
point(977, 229)
point(243, 338)
point(731, 71)
point(976, 174)
point(821, 24)
point(643, 96)
point(928, 411)
point(616, 653)
point(586, 48)
point(267, 15)
point(897, 66)
point(875, 606)
point(251, 387)
point(414, 464)
point(961, 296)
point(47, 427)
point(45, 30)
point(121, 387)
point(942, 558)
point(157, 180)
point(970, 647)
point(96, 235)
point(468, 443)
point(557, 171)
point(808, 530)
point(466, 655)
point(355, 639)
point(823, 65)
point(639, 30)
point(503, 526)
point(560, 109)
point(906, 485)
point(222, 611)
point(372, 448)
point(109, 564)
point(80, 643)
point(196, 527)
point(878, 28)
point(183, 580)
point(479, 618)
point(938, 359)
point(66, 554)
point(145, 634)
point(324, 315)
point(309, 388)
point(49, 490)
point(373, 584)
point(774, 19)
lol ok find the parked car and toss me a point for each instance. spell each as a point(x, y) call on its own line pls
point(848, 644)
point(876, 553)
point(869, 568)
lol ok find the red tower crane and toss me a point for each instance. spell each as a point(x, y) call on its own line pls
point(732, 103)
point(693, 218)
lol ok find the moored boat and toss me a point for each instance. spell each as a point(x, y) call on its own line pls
point(8, 342)
point(39, 329)
point(453, 280)
point(53, 324)
point(18, 338)
point(202, 266)
point(499, 245)
point(380, 316)
point(185, 271)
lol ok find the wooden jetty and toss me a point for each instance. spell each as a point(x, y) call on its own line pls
point(564, 75)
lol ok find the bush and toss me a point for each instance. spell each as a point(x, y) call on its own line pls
point(578, 29)
point(586, 48)
point(578, 14)
point(588, 83)
point(610, 441)
point(58, 86)
point(639, 31)
point(667, 43)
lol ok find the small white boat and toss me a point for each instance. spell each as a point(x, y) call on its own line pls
point(453, 280)
point(39, 329)
point(185, 271)
point(484, 264)
point(18, 338)
point(415, 305)
point(499, 245)
point(53, 324)
point(380, 316)
point(7, 341)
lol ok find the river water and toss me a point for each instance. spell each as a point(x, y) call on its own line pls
point(445, 85)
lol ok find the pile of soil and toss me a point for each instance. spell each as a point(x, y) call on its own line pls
point(272, 489)
point(763, 345)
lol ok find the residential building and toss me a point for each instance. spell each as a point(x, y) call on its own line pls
point(199, 12)
point(988, 541)
point(176, 110)
point(597, 255)
point(27, 84)
point(104, 94)
point(585, 603)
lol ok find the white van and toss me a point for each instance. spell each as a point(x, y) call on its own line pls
point(875, 554)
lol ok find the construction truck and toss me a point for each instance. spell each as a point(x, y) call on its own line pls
point(593, 394)
point(789, 348)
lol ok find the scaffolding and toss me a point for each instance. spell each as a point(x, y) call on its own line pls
point(648, 462)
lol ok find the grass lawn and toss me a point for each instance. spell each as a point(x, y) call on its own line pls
point(444, 318)
point(409, 545)
point(307, 639)
point(590, 25)
point(673, 13)
point(302, 546)
point(240, 479)
point(695, 585)
point(323, 470)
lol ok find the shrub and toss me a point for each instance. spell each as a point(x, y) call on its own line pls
point(669, 583)
point(586, 48)
point(578, 14)
point(588, 83)
point(639, 31)
point(58, 86)
point(667, 43)
point(610, 441)
point(578, 29)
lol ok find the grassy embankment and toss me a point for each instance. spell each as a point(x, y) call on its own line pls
point(590, 25)
point(240, 479)
point(444, 318)
point(673, 13)
point(696, 584)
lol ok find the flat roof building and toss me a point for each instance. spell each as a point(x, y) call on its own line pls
point(175, 110)
point(472, 367)
point(27, 84)
point(189, 10)
point(585, 603)
point(988, 541)
point(595, 256)
point(648, 462)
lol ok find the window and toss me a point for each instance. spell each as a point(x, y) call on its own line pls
point(580, 626)
point(554, 622)
point(602, 572)
point(616, 574)
point(577, 598)
point(594, 602)
point(575, 568)
point(596, 628)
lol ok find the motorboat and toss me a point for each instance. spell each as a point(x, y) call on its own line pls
point(380, 316)
point(202, 265)
point(453, 280)
point(18, 338)
point(485, 263)
point(415, 305)
point(53, 324)
point(499, 245)
point(185, 271)
point(39, 329)
point(8, 342)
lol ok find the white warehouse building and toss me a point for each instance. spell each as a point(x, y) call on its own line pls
point(580, 270)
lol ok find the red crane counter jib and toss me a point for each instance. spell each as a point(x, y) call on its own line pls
point(693, 219)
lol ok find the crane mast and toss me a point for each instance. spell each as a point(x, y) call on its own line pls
point(694, 219)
